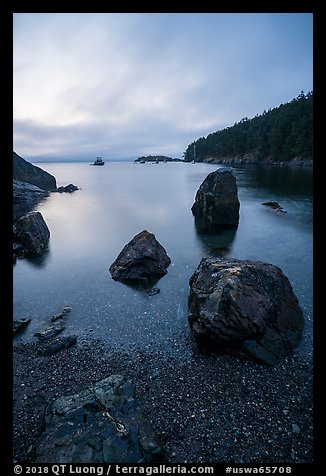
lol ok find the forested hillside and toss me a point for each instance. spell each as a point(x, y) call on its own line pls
point(278, 135)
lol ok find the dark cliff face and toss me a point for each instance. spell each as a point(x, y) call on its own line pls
point(23, 171)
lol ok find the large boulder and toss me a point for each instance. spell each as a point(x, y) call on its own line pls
point(102, 424)
point(244, 307)
point(142, 261)
point(32, 233)
point(24, 171)
point(216, 204)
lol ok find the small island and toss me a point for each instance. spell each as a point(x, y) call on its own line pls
point(156, 159)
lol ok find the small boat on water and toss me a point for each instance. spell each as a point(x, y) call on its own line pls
point(98, 161)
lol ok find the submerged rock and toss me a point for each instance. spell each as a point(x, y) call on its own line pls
point(244, 307)
point(153, 291)
point(275, 205)
point(143, 260)
point(32, 232)
point(216, 204)
point(102, 424)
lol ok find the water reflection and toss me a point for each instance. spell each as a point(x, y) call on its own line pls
point(290, 181)
point(89, 229)
point(218, 245)
point(39, 261)
point(21, 253)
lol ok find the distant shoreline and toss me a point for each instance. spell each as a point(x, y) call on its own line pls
point(294, 163)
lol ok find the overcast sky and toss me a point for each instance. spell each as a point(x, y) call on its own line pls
point(122, 85)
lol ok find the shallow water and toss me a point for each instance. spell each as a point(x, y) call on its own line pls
point(90, 227)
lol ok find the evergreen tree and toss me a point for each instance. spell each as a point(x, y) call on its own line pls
point(279, 134)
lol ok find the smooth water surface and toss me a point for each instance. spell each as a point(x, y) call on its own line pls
point(90, 227)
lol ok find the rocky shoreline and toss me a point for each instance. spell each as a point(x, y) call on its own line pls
point(206, 409)
point(251, 159)
point(213, 408)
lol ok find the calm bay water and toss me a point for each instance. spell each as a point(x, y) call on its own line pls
point(90, 227)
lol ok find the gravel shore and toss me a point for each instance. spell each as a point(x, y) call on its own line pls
point(206, 409)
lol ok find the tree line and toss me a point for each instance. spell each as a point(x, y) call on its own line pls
point(279, 134)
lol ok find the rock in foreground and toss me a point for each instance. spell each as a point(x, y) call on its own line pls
point(102, 424)
point(32, 232)
point(216, 204)
point(143, 260)
point(244, 307)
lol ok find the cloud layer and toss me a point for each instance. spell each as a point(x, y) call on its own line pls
point(124, 85)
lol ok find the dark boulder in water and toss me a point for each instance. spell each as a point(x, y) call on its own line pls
point(245, 308)
point(32, 233)
point(216, 204)
point(143, 260)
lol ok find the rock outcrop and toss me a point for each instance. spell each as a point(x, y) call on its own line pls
point(32, 233)
point(24, 171)
point(67, 188)
point(102, 424)
point(244, 307)
point(27, 195)
point(216, 204)
point(142, 261)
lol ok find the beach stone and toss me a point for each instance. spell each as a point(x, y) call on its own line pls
point(62, 314)
point(216, 204)
point(50, 332)
point(54, 346)
point(101, 424)
point(244, 307)
point(143, 260)
point(20, 325)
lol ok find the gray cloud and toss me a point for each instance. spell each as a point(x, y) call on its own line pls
point(121, 85)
